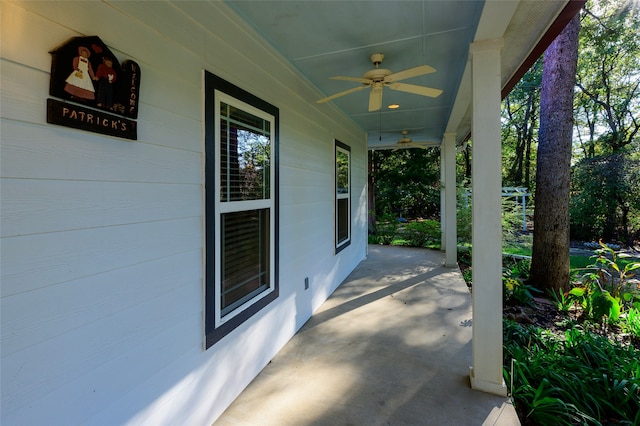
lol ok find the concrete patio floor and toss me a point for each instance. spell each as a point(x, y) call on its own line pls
point(391, 346)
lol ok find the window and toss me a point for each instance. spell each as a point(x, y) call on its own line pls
point(343, 196)
point(241, 181)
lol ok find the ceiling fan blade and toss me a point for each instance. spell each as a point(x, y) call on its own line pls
point(411, 72)
point(337, 95)
point(375, 97)
point(416, 145)
point(418, 90)
point(356, 79)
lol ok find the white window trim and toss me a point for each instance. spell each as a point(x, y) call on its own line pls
point(235, 206)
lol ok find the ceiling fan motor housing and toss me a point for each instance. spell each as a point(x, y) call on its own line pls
point(377, 74)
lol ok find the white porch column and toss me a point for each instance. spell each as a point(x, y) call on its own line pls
point(450, 237)
point(486, 372)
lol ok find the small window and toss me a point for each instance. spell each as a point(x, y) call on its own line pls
point(343, 196)
point(241, 206)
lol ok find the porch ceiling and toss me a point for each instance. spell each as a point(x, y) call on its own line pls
point(330, 38)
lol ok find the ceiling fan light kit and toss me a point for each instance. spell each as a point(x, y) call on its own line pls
point(378, 78)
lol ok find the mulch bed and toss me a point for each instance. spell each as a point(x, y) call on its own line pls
point(544, 314)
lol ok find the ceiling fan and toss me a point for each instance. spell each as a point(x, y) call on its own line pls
point(407, 142)
point(378, 77)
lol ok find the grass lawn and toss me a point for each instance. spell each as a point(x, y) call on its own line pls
point(575, 261)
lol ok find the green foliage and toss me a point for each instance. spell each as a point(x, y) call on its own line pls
point(610, 272)
point(511, 217)
point(464, 260)
point(467, 275)
point(515, 273)
point(389, 231)
point(607, 104)
point(605, 201)
point(631, 322)
point(562, 302)
point(596, 302)
point(517, 292)
point(607, 388)
point(604, 290)
point(463, 214)
point(422, 234)
point(520, 122)
point(407, 182)
point(517, 268)
point(579, 379)
point(385, 231)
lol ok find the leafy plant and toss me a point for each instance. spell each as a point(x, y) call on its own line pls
point(516, 267)
point(604, 290)
point(610, 271)
point(596, 302)
point(515, 272)
point(579, 378)
point(562, 301)
point(464, 260)
point(517, 292)
point(630, 322)
point(467, 275)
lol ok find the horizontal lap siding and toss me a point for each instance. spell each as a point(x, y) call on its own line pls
point(36, 206)
point(93, 321)
point(102, 238)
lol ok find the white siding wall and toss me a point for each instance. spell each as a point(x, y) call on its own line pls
point(102, 238)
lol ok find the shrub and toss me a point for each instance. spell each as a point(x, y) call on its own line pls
point(604, 197)
point(421, 234)
point(414, 234)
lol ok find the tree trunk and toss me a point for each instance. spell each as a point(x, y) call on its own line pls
point(550, 260)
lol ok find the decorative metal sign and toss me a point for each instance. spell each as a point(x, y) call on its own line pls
point(99, 95)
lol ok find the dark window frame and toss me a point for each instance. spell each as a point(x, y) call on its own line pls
point(341, 245)
point(215, 332)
